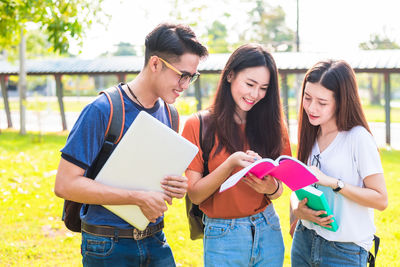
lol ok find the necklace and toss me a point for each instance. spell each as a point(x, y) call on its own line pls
point(134, 96)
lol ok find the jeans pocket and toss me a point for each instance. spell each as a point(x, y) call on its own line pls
point(97, 245)
point(274, 222)
point(346, 247)
point(215, 230)
point(160, 238)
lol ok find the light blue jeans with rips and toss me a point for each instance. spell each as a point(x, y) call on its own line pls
point(249, 241)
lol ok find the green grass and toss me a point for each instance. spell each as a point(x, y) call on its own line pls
point(377, 113)
point(32, 233)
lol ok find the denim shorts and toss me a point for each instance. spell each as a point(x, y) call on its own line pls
point(310, 249)
point(249, 241)
point(111, 251)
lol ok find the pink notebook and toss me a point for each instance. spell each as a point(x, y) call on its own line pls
point(292, 172)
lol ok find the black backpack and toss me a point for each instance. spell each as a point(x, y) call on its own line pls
point(193, 212)
point(71, 210)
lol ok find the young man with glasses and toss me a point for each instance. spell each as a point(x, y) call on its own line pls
point(172, 55)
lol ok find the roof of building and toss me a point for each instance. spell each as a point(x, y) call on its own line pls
point(287, 62)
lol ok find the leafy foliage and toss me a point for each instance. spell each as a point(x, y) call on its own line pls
point(377, 41)
point(375, 81)
point(37, 46)
point(216, 38)
point(268, 27)
point(124, 49)
point(61, 20)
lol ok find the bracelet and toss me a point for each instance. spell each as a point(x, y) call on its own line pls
point(277, 188)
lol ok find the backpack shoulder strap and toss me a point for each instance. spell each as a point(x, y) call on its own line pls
point(372, 257)
point(205, 151)
point(116, 120)
point(114, 129)
point(173, 117)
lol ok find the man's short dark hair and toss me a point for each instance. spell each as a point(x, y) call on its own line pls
point(171, 41)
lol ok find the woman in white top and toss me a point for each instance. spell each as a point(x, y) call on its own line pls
point(335, 138)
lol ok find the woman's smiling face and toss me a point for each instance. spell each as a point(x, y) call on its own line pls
point(248, 87)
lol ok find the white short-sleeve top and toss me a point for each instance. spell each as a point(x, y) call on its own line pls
point(351, 157)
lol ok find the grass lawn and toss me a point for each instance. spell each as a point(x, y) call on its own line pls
point(34, 235)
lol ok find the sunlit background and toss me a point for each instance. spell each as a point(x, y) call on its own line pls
point(339, 25)
point(37, 112)
point(112, 29)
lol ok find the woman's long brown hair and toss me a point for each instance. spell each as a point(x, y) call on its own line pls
point(340, 78)
point(264, 122)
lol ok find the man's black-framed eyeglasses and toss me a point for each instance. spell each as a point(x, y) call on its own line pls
point(185, 76)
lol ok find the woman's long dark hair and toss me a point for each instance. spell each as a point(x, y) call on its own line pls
point(264, 122)
point(340, 78)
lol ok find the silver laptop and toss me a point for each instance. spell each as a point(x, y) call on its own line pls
point(147, 152)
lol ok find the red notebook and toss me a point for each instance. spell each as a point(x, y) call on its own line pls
point(292, 172)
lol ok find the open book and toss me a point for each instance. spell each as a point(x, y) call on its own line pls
point(317, 201)
point(292, 172)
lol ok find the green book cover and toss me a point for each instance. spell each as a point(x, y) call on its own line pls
point(317, 201)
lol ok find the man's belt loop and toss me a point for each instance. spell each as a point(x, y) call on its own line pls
point(115, 234)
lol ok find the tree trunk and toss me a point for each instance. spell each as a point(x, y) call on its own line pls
point(285, 97)
point(298, 80)
point(22, 83)
point(378, 95)
point(121, 77)
point(197, 93)
point(373, 96)
point(59, 92)
point(4, 92)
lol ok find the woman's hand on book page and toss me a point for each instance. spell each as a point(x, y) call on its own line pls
point(253, 154)
point(268, 185)
point(241, 159)
point(323, 179)
point(175, 186)
point(153, 204)
point(305, 213)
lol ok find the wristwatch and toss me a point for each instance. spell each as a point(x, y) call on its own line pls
point(340, 186)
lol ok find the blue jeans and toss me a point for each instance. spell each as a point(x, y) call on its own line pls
point(109, 251)
point(250, 241)
point(310, 249)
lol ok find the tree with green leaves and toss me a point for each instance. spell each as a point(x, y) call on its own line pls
point(124, 49)
point(377, 41)
point(375, 81)
point(37, 47)
point(267, 27)
point(61, 20)
point(216, 38)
